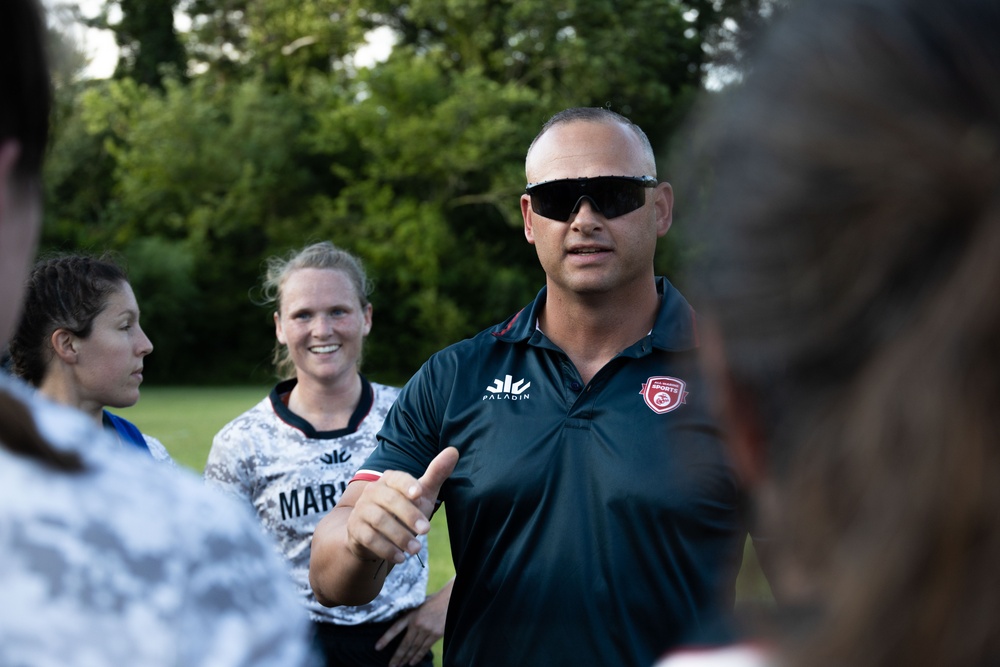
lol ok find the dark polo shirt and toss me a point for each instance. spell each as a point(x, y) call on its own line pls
point(594, 524)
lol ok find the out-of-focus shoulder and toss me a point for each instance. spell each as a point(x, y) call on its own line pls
point(134, 562)
point(737, 655)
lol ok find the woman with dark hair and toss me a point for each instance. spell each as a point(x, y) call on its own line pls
point(849, 275)
point(79, 341)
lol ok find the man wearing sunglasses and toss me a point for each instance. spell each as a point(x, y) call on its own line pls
point(593, 516)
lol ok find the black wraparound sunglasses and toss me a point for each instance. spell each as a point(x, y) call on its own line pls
point(612, 196)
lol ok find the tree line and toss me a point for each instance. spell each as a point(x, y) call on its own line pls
point(256, 130)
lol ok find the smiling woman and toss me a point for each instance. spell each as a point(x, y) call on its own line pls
point(320, 325)
point(79, 341)
point(292, 455)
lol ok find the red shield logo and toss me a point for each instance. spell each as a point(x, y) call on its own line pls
point(663, 394)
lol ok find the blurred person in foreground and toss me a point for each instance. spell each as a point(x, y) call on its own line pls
point(291, 456)
point(106, 557)
point(593, 515)
point(80, 342)
point(850, 279)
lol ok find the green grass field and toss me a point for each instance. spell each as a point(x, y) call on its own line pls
point(186, 418)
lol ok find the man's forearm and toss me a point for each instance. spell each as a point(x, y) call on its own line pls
point(336, 574)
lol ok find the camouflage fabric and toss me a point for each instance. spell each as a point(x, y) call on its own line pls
point(293, 475)
point(131, 562)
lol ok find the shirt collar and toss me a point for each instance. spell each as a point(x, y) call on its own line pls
point(675, 328)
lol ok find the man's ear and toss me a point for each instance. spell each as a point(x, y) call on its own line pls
point(664, 205)
point(65, 345)
point(529, 232)
point(737, 408)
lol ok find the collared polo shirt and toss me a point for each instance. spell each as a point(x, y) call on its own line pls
point(592, 524)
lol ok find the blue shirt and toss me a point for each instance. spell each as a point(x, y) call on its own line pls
point(127, 432)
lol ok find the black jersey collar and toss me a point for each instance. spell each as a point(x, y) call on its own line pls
point(675, 328)
point(364, 407)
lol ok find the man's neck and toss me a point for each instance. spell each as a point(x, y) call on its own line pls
point(594, 328)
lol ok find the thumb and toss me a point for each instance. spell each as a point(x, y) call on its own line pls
point(438, 471)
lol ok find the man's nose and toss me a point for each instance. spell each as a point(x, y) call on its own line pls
point(586, 213)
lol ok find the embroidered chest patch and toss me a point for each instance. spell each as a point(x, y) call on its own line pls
point(664, 394)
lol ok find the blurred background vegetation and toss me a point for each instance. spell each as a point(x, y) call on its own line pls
point(258, 128)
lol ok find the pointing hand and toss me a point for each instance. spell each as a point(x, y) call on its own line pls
point(393, 511)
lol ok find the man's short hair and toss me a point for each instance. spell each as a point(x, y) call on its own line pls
point(595, 115)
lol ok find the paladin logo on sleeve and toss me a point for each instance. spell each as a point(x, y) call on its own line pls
point(663, 394)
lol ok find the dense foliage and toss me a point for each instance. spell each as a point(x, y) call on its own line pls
point(275, 135)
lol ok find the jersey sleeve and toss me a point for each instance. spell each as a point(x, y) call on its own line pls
point(230, 458)
point(410, 437)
